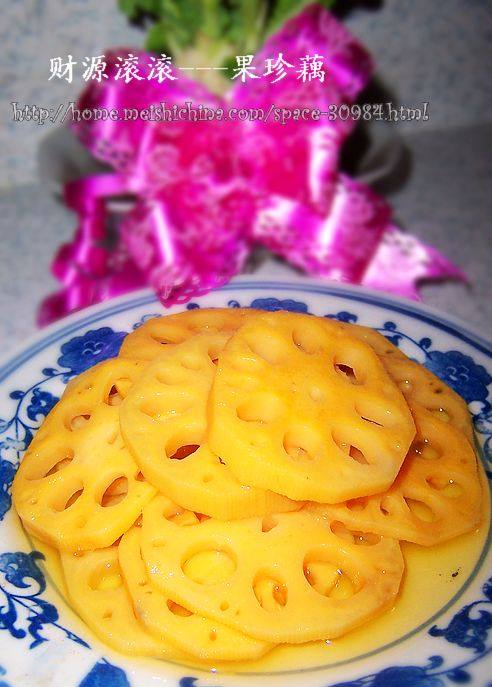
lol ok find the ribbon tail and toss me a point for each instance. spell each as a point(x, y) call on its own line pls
point(88, 270)
point(180, 262)
point(335, 245)
point(402, 261)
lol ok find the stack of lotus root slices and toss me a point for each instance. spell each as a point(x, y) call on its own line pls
point(237, 480)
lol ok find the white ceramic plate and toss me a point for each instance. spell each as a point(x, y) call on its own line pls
point(41, 640)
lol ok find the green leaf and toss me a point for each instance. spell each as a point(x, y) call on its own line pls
point(156, 40)
point(232, 26)
point(150, 6)
point(134, 9)
point(130, 8)
point(285, 9)
point(180, 21)
point(244, 26)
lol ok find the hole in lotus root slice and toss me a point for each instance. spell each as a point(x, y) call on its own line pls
point(421, 510)
point(180, 516)
point(73, 499)
point(106, 576)
point(268, 523)
point(436, 496)
point(385, 505)
point(56, 508)
point(327, 578)
point(78, 421)
point(356, 504)
point(448, 487)
point(373, 413)
point(262, 407)
point(181, 452)
point(209, 566)
point(214, 353)
point(270, 592)
point(49, 463)
point(162, 333)
point(114, 397)
point(170, 617)
point(115, 492)
point(302, 443)
point(423, 448)
point(66, 495)
point(168, 338)
point(441, 414)
point(306, 339)
point(97, 592)
point(173, 453)
point(118, 392)
point(193, 361)
point(406, 386)
point(261, 575)
point(176, 609)
point(94, 386)
point(346, 372)
point(61, 464)
point(270, 349)
point(170, 375)
point(350, 450)
point(184, 451)
point(355, 537)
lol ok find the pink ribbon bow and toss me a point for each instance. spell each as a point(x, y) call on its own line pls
point(205, 192)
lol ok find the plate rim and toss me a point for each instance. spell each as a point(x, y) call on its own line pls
point(18, 355)
point(448, 323)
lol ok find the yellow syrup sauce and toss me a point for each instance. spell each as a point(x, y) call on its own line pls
point(433, 577)
point(51, 564)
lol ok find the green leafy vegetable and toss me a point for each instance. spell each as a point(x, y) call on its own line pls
point(241, 25)
point(210, 32)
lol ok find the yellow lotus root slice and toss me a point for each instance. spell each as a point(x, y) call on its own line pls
point(282, 578)
point(164, 422)
point(374, 339)
point(159, 333)
point(301, 407)
point(197, 635)
point(416, 382)
point(421, 386)
point(98, 594)
point(436, 496)
point(78, 486)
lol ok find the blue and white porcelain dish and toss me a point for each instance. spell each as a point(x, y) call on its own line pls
point(41, 640)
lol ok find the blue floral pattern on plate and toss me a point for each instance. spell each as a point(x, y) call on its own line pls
point(24, 613)
point(82, 352)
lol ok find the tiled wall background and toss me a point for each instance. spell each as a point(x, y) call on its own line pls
point(425, 50)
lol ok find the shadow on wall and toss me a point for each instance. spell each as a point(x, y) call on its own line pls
point(343, 8)
point(375, 152)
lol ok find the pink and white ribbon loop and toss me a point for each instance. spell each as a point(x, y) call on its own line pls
point(204, 193)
